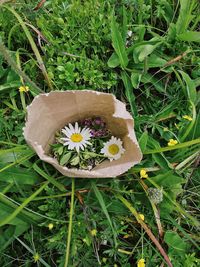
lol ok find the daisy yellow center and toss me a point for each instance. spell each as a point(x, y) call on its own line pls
point(113, 149)
point(76, 137)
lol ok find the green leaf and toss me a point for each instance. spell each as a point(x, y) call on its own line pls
point(190, 87)
point(142, 51)
point(60, 150)
point(184, 17)
point(75, 161)
point(174, 241)
point(135, 79)
point(162, 161)
point(189, 36)
point(16, 228)
point(91, 154)
point(145, 51)
point(149, 78)
point(10, 85)
point(143, 141)
point(65, 158)
point(168, 179)
point(129, 92)
point(166, 112)
point(19, 175)
point(155, 61)
point(113, 61)
point(125, 22)
point(118, 43)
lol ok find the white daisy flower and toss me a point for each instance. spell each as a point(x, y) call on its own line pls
point(113, 148)
point(76, 137)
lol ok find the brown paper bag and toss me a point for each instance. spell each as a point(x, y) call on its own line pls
point(51, 112)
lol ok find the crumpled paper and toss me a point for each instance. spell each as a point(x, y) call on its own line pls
point(52, 111)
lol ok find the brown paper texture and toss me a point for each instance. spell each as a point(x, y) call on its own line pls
point(51, 112)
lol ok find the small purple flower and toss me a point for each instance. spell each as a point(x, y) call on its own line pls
point(98, 121)
point(98, 134)
point(86, 122)
point(92, 132)
point(97, 126)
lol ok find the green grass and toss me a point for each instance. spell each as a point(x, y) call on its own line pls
point(147, 54)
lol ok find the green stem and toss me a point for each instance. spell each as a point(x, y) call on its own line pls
point(22, 97)
point(191, 123)
point(145, 227)
point(168, 148)
point(23, 101)
point(70, 224)
point(7, 188)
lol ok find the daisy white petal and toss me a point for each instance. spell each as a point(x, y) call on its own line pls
point(88, 143)
point(71, 128)
point(76, 138)
point(77, 129)
point(66, 131)
point(113, 149)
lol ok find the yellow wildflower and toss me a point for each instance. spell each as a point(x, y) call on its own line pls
point(141, 263)
point(36, 257)
point(23, 88)
point(115, 265)
point(126, 236)
point(141, 216)
point(186, 117)
point(50, 226)
point(93, 232)
point(172, 142)
point(143, 174)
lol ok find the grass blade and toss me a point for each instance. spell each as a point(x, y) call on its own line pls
point(33, 46)
point(190, 87)
point(129, 92)
point(70, 224)
point(118, 43)
point(31, 251)
point(184, 15)
point(168, 148)
point(190, 36)
point(20, 208)
point(24, 215)
point(49, 178)
point(103, 206)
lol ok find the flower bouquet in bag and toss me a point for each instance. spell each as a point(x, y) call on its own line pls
point(82, 133)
